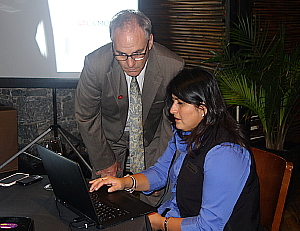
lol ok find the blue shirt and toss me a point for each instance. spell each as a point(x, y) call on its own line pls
point(226, 169)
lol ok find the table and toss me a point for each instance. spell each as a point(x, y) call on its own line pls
point(35, 202)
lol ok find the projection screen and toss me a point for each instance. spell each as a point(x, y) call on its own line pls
point(45, 41)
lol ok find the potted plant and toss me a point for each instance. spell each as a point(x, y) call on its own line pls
point(262, 76)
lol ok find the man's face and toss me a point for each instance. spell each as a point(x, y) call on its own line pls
point(132, 41)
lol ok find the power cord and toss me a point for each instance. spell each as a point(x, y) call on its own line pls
point(81, 223)
point(78, 222)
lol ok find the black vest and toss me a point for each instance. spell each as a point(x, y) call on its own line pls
point(245, 215)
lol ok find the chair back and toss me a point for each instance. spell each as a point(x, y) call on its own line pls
point(274, 174)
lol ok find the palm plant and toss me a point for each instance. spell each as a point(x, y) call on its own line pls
point(261, 76)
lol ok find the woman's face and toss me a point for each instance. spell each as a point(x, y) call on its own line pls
point(187, 116)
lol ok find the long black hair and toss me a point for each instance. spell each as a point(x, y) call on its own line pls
point(197, 86)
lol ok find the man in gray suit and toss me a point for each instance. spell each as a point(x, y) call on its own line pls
point(102, 95)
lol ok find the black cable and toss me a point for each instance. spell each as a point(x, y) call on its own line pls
point(59, 214)
point(85, 223)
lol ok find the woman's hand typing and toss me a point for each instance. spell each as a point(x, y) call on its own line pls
point(114, 183)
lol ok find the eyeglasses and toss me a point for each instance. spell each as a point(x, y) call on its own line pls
point(134, 56)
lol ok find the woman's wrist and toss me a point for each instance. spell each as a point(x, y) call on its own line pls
point(132, 187)
point(166, 221)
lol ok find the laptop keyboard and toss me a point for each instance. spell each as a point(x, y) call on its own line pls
point(104, 211)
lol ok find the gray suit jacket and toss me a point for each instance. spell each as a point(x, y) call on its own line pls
point(101, 103)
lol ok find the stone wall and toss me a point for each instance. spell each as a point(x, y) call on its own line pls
point(35, 111)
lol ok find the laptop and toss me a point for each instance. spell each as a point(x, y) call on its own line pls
point(71, 189)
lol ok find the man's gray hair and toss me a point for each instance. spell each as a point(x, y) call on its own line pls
point(129, 17)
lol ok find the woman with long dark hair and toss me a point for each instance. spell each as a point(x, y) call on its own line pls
point(208, 163)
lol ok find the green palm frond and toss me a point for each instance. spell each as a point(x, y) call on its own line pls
point(238, 90)
point(260, 76)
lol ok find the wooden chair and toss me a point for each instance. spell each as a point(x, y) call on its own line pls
point(274, 175)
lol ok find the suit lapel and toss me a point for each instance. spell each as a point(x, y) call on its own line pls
point(118, 84)
point(152, 81)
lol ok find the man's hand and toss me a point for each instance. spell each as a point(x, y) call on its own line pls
point(110, 171)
